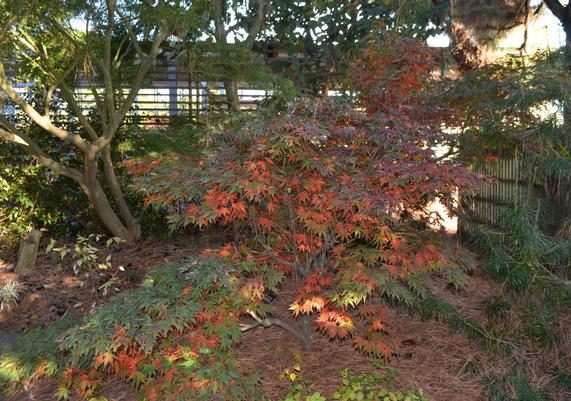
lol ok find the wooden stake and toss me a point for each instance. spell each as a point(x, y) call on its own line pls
point(28, 252)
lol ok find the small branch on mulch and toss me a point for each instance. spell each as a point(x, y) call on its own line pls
point(270, 321)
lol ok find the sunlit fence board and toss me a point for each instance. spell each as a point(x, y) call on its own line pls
point(167, 97)
point(485, 208)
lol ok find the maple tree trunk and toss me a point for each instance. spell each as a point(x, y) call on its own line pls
point(103, 208)
point(303, 334)
point(132, 223)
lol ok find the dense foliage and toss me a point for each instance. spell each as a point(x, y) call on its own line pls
point(169, 338)
point(327, 193)
point(30, 194)
point(39, 44)
point(519, 109)
point(324, 38)
point(334, 196)
point(391, 74)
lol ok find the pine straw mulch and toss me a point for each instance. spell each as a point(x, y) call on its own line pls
point(52, 290)
point(429, 356)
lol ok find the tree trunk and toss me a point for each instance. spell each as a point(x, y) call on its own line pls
point(132, 223)
point(232, 98)
point(99, 200)
point(306, 337)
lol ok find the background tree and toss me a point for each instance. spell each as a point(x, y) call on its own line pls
point(39, 47)
point(323, 38)
point(229, 29)
point(563, 14)
point(475, 25)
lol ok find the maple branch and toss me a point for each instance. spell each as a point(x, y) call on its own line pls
point(297, 266)
point(13, 135)
point(39, 119)
point(273, 321)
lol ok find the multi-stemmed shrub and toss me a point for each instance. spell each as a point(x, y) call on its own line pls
point(332, 195)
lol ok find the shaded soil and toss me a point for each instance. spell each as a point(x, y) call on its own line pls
point(52, 290)
point(429, 356)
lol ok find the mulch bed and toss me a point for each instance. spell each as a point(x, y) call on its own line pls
point(52, 290)
point(429, 356)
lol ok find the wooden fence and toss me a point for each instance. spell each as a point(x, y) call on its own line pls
point(169, 95)
point(485, 208)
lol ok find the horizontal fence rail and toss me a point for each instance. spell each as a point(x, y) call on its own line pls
point(168, 96)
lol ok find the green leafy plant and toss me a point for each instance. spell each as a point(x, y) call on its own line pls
point(84, 253)
point(373, 387)
point(300, 388)
point(361, 387)
point(30, 197)
point(170, 337)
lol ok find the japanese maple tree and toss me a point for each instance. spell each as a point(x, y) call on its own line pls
point(333, 195)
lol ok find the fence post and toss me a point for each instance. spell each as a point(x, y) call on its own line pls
point(173, 95)
point(28, 252)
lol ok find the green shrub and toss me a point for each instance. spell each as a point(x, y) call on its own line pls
point(533, 268)
point(170, 337)
point(515, 385)
point(32, 197)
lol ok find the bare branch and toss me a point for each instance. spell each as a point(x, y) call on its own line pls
point(137, 82)
point(40, 120)
point(100, 105)
point(132, 35)
point(48, 100)
point(13, 135)
point(76, 110)
point(67, 92)
point(273, 321)
point(105, 63)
